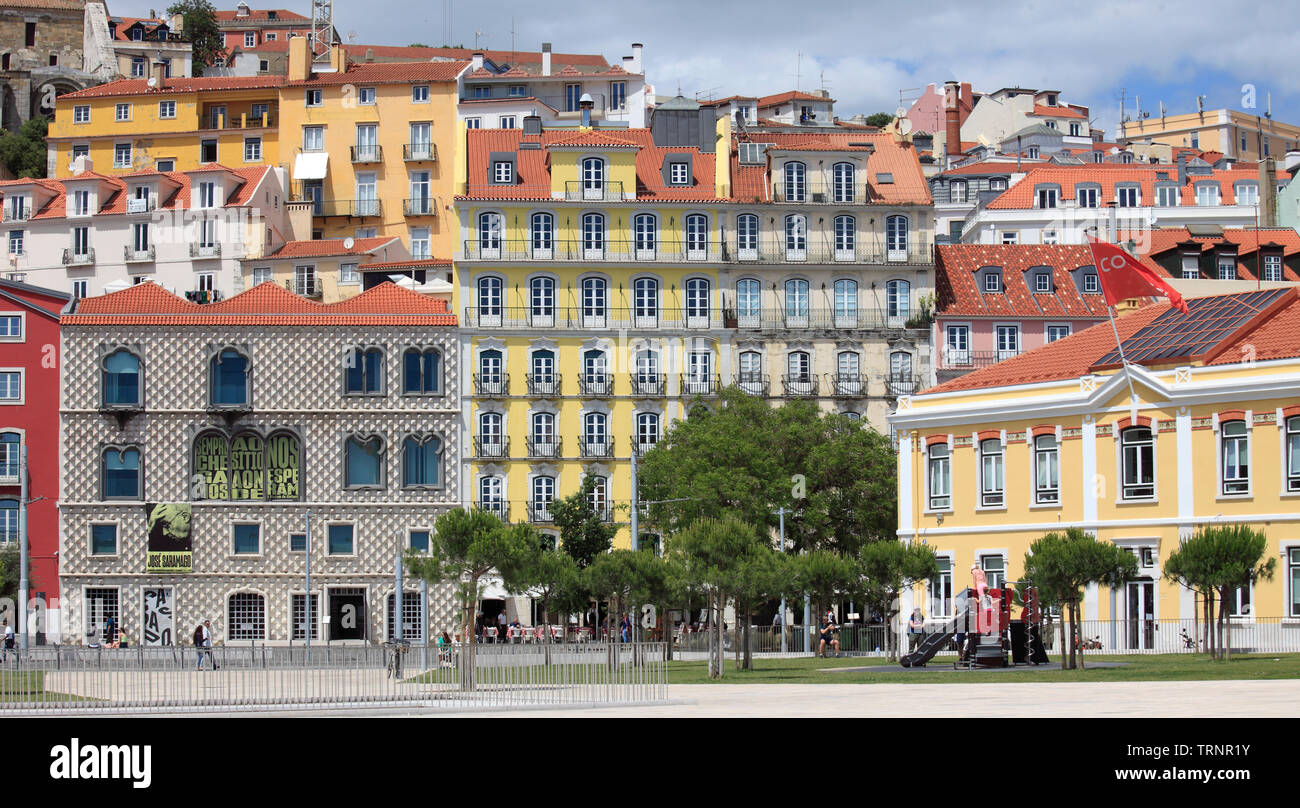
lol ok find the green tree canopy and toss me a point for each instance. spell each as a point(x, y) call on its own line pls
point(199, 24)
point(880, 118)
point(584, 533)
point(1218, 559)
point(23, 152)
point(889, 567)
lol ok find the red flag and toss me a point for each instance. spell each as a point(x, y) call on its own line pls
point(1122, 277)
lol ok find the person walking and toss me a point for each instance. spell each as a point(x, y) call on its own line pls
point(9, 640)
point(203, 644)
point(915, 629)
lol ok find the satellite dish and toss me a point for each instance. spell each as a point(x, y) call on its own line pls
point(904, 126)
point(348, 242)
point(900, 112)
point(153, 82)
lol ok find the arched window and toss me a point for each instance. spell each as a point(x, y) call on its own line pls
point(542, 434)
point(543, 496)
point(593, 234)
point(848, 378)
point(846, 303)
point(10, 446)
point(490, 441)
point(796, 238)
point(795, 181)
point(246, 616)
point(489, 233)
point(749, 302)
point(646, 381)
point(599, 499)
point(542, 232)
point(645, 232)
point(542, 381)
point(363, 462)
point(1137, 463)
point(421, 371)
point(796, 301)
point(595, 381)
point(750, 378)
point(229, 379)
point(491, 497)
point(593, 178)
point(8, 520)
point(647, 431)
point(645, 302)
point(421, 462)
point(846, 238)
point(798, 377)
point(900, 366)
point(541, 301)
point(747, 237)
point(697, 303)
point(595, 437)
point(896, 238)
point(364, 372)
point(121, 474)
point(842, 175)
point(491, 380)
point(121, 379)
point(697, 237)
point(594, 302)
point(898, 299)
point(489, 297)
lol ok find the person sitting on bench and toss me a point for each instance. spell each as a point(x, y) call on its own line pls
point(828, 638)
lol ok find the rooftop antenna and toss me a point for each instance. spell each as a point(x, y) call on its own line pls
point(322, 26)
point(513, 58)
point(798, 69)
point(477, 34)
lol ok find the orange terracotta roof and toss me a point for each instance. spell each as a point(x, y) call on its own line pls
point(1155, 243)
point(958, 294)
point(592, 138)
point(124, 25)
point(889, 157)
point(1057, 112)
point(318, 248)
point(281, 14)
point(173, 86)
point(387, 73)
point(264, 304)
point(792, 95)
point(984, 167)
point(414, 263)
point(1021, 195)
point(247, 181)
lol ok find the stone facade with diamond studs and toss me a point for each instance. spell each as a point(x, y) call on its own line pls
point(298, 376)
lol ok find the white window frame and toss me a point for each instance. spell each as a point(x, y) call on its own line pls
point(81, 113)
point(22, 386)
point(1038, 498)
point(1220, 459)
point(22, 326)
point(929, 490)
point(166, 110)
point(420, 94)
point(992, 498)
point(1120, 493)
point(1047, 331)
point(238, 522)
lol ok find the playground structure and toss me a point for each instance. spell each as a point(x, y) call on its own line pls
point(984, 633)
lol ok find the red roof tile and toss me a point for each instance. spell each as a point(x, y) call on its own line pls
point(1155, 243)
point(176, 85)
point(792, 95)
point(282, 15)
point(890, 156)
point(1021, 195)
point(387, 73)
point(318, 248)
point(1057, 112)
point(247, 179)
point(264, 304)
point(958, 294)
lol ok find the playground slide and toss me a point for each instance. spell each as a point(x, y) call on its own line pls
point(937, 641)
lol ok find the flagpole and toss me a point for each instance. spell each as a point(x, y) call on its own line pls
point(1110, 311)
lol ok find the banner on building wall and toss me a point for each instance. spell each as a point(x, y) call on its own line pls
point(158, 627)
point(247, 466)
point(282, 465)
point(170, 549)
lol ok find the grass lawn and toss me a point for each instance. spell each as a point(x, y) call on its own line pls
point(1163, 667)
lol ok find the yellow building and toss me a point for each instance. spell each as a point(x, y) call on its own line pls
point(371, 145)
point(1238, 135)
point(1051, 439)
point(167, 124)
point(588, 280)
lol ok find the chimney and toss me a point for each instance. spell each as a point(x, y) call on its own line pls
point(966, 101)
point(1268, 193)
point(177, 23)
point(158, 72)
point(636, 57)
point(952, 119)
point(627, 64)
point(338, 59)
point(82, 165)
point(532, 124)
point(476, 62)
point(585, 104)
point(370, 54)
point(546, 58)
point(299, 59)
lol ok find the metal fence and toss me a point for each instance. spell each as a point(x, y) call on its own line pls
point(81, 680)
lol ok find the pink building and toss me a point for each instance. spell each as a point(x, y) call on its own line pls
point(995, 301)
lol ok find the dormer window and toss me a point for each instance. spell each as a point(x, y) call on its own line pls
point(81, 202)
point(137, 34)
point(1227, 266)
point(679, 174)
point(750, 153)
point(1273, 267)
point(957, 191)
point(1247, 193)
point(1191, 265)
point(1087, 196)
point(1167, 196)
point(1047, 196)
point(1090, 286)
point(503, 172)
point(998, 184)
point(1207, 194)
point(993, 281)
point(1051, 99)
point(1127, 196)
point(1042, 283)
point(207, 195)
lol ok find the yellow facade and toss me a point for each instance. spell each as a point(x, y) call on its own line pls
point(185, 129)
point(1185, 409)
point(1238, 135)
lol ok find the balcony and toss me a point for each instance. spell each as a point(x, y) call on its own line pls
point(205, 250)
point(307, 287)
point(700, 384)
point(543, 446)
point(130, 254)
point(595, 384)
point(492, 385)
point(9, 473)
point(818, 191)
point(640, 447)
point(902, 384)
point(794, 319)
point(860, 251)
point(591, 318)
point(756, 384)
point(539, 511)
point(358, 208)
point(496, 446)
point(12, 215)
point(848, 385)
point(580, 191)
point(419, 152)
point(241, 121)
point(952, 359)
point(648, 384)
point(203, 296)
point(593, 447)
point(367, 154)
point(498, 508)
point(799, 386)
point(72, 258)
point(544, 385)
point(419, 206)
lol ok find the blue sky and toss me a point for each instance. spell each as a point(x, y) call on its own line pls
point(866, 52)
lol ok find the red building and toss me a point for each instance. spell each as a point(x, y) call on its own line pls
point(29, 416)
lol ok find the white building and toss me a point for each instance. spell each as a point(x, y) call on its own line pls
point(90, 233)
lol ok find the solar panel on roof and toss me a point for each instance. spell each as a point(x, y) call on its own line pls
point(1208, 321)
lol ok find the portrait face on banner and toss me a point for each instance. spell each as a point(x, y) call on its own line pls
point(170, 548)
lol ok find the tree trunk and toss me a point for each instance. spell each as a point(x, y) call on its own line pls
point(546, 629)
point(1225, 626)
point(1065, 654)
point(749, 621)
point(736, 636)
point(1079, 614)
point(1074, 636)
